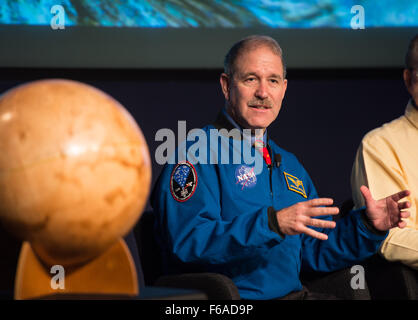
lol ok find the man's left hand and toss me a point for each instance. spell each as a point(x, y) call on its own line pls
point(386, 213)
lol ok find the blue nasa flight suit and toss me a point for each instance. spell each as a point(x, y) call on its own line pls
point(218, 218)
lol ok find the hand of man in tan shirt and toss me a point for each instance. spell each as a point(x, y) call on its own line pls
point(386, 213)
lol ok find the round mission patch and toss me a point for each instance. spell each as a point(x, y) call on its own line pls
point(183, 181)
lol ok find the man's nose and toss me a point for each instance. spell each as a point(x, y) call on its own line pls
point(261, 91)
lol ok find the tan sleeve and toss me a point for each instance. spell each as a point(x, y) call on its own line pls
point(377, 166)
point(401, 245)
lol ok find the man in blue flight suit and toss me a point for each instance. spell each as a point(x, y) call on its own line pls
point(259, 227)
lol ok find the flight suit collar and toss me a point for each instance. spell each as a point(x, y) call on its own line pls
point(225, 121)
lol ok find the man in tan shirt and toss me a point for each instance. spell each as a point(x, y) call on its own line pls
point(387, 162)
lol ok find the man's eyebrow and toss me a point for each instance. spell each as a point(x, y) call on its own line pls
point(245, 75)
point(274, 75)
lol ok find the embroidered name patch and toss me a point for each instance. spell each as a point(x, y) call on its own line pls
point(245, 177)
point(294, 184)
point(183, 181)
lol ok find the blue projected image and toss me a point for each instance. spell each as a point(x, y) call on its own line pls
point(212, 13)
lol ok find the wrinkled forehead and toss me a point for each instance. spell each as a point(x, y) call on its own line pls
point(259, 58)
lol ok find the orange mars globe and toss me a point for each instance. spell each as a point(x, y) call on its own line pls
point(75, 169)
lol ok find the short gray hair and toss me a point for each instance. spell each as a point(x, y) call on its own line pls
point(249, 43)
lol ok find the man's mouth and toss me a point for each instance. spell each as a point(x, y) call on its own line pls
point(260, 107)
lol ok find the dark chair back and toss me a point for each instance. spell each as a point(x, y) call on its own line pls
point(148, 249)
point(390, 280)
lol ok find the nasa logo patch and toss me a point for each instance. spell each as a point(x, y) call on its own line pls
point(245, 177)
point(183, 181)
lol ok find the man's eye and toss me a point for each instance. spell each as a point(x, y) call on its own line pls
point(274, 81)
point(250, 79)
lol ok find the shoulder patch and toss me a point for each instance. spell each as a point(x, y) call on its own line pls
point(294, 184)
point(183, 181)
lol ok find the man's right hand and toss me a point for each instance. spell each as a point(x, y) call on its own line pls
point(295, 219)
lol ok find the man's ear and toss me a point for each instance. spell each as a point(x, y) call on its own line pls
point(225, 84)
point(407, 79)
point(284, 87)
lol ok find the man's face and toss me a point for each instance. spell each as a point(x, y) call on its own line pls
point(254, 95)
point(411, 82)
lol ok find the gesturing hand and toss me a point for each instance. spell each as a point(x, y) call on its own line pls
point(295, 219)
point(386, 213)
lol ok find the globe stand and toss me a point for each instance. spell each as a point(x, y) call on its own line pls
point(110, 275)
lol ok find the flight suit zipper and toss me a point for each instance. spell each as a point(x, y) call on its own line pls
point(270, 167)
point(271, 183)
